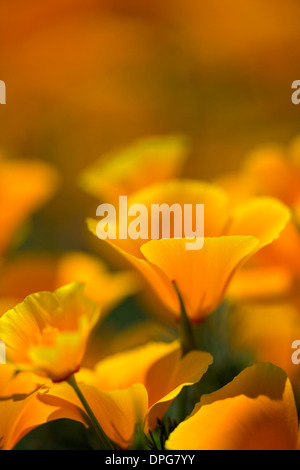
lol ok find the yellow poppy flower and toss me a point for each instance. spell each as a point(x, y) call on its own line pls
point(47, 333)
point(126, 170)
point(202, 276)
point(256, 411)
point(25, 186)
point(122, 396)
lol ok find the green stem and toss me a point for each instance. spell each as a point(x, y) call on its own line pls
point(186, 333)
point(105, 442)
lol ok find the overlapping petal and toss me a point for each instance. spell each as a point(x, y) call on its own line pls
point(118, 411)
point(271, 171)
point(256, 411)
point(122, 396)
point(202, 275)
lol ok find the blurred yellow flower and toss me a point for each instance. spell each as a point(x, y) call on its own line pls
point(105, 287)
point(123, 396)
point(129, 169)
point(34, 272)
point(260, 281)
point(270, 171)
point(275, 171)
point(256, 411)
point(119, 412)
point(25, 186)
point(47, 333)
point(232, 235)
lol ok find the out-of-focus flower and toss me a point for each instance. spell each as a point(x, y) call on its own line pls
point(202, 276)
point(25, 186)
point(122, 396)
point(36, 272)
point(275, 171)
point(124, 171)
point(21, 410)
point(256, 411)
point(267, 331)
point(47, 333)
point(270, 171)
point(106, 288)
point(260, 282)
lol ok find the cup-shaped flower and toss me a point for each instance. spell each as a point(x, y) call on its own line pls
point(47, 333)
point(256, 411)
point(232, 236)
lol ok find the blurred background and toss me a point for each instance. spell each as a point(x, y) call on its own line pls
point(86, 76)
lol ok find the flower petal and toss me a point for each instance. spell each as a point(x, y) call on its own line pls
point(264, 218)
point(255, 411)
point(21, 410)
point(118, 412)
point(163, 388)
point(201, 276)
point(129, 169)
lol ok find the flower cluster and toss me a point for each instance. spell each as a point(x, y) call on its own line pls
point(209, 364)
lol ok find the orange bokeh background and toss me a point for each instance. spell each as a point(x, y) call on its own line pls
point(84, 76)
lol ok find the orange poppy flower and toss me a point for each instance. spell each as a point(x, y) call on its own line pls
point(202, 276)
